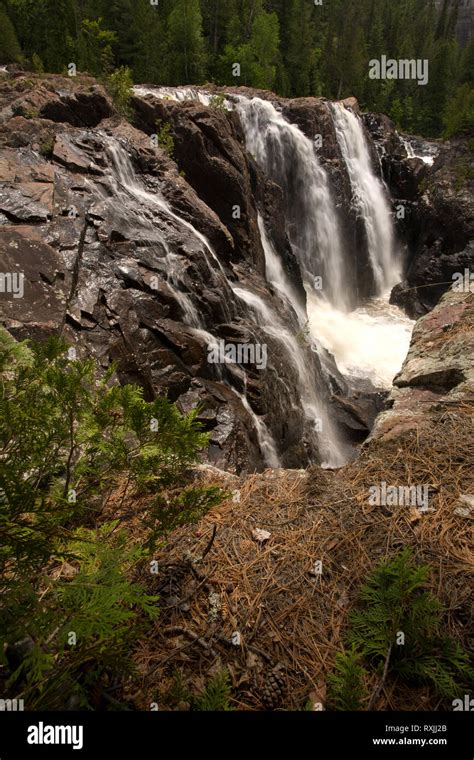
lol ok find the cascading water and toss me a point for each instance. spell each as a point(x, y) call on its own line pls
point(370, 198)
point(127, 180)
point(358, 339)
point(322, 428)
point(277, 276)
point(372, 340)
point(288, 158)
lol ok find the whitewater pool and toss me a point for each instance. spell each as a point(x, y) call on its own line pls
point(371, 342)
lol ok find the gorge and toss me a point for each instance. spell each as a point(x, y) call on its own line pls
point(286, 268)
point(279, 229)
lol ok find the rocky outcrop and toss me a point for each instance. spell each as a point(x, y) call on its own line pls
point(437, 222)
point(135, 257)
point(438, 373)
point(132, 262)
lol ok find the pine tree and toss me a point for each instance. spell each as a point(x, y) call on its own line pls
point(10, 51)
point(186, 48)
point(67, 439)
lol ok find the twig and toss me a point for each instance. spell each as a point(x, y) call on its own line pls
point(377, 691)
point(177, 630)
point(209, 546)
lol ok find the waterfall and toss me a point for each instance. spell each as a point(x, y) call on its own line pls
point(370, 198)
point(322, 429)
point(277, 276)
point(127, 180)
point(428, 156)
point(288, 158)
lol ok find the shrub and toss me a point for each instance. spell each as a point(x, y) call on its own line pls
point(165, 138)
point(215, 697)
point(218, 102)
point(120, 84)
point(346, 686)
point(397, 631)
point(459, 116)
point(67, 439)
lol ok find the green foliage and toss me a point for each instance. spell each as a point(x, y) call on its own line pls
point(257, 56)
point(120, 84)
point(186, 53)
point(47, 147)
point(99, 605)
point(67, 439)
point(165, 138)
point(37, 63)
point(394, 601)
point(459, 116)
point(292, 47)
point(10, 50)
point(218, 103)
point(346, 685)
point(216, 696)
point(95, 48)
point(166, 514)
point(464, 173)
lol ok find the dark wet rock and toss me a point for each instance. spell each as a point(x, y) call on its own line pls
point(111, 239)
point(438, 223)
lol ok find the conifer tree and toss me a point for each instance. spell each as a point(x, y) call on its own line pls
point(10, 51)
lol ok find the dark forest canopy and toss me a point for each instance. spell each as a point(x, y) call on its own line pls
point(294, 47)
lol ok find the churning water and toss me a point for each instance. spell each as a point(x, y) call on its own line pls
point(369, 341)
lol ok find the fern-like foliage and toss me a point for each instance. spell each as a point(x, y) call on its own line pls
point(216, 696)
point(346, 685)
point(67, 439)
point(398, 625)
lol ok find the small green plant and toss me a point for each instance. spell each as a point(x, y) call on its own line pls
point(303, 335)
point(165, 138)
point(37, 64)
point(464, 174)
point(68, 440)
point(216, 696)
point(120, 85)
point(47, 147)
point(31, 113)
point(347, 690)
point(218, 103)
point(397, 631)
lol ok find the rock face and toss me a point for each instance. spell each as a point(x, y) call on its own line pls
point(438, 371)
point(437, 225)
point(135, 258)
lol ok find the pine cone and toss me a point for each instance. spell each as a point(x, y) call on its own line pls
point(273, 691)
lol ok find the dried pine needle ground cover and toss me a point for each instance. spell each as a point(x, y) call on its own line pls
point(261, 609)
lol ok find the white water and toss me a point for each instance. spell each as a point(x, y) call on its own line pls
point(288, 158)
point(277, 276)
point(370, 197)
point(265, 439)
point(178, 94)
point(370, 342)
point(332, 449)
point(427, 158)
point(127, 180)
